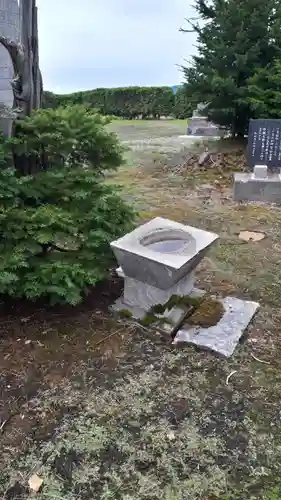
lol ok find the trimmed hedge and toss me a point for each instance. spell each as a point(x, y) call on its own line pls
point(128, 102)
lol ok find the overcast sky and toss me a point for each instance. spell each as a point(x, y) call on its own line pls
point(86, 44)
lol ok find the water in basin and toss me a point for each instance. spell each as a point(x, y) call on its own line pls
point(167, 246)
point(167, 241)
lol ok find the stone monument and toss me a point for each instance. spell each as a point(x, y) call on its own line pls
point(20, 78)
point(157, 262)
point(200, 126)
point(9, 28)
point(263, 155)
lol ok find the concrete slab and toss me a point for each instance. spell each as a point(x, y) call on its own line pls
point(247, 187)
point(223, 337)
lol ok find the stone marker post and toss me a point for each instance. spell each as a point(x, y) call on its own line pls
point(9, 28)
point(19, 46)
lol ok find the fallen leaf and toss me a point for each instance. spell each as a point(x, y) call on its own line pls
point(171, 436)
point(35, 482)
point(27, 342)
point(251, 236)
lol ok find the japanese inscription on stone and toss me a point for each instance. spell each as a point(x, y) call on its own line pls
point(264, 143)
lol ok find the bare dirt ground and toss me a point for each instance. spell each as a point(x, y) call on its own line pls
point(104, 410)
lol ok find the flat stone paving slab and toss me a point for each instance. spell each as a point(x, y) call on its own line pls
point(223, 337)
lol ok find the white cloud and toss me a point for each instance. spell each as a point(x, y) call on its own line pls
point(86, 44)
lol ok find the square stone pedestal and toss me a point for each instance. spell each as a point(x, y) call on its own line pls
point(162, 252)
point(258, 186)
point(138, 301)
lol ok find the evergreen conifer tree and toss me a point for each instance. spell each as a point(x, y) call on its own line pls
point(236, 38)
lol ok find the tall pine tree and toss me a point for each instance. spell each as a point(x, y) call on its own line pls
point(236, 38)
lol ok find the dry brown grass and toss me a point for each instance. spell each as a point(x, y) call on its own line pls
point(136, 419)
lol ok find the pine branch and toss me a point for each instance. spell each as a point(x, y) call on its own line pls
point(206, 11)
point(195, 28)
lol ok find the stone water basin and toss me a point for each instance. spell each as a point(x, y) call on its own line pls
point(162, 252)
point(169, 241)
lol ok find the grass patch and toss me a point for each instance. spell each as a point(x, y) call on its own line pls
point(147, 129)
point(102, 410)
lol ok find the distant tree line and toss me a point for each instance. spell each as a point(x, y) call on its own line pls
point(128, 102)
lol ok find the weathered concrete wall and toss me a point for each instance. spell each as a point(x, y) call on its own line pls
point(9, 27)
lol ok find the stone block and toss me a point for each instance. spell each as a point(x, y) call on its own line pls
point(201, 127)
point(223, 337)
point(140, 294)
point(248, 188)
point(9, 27)
point(260, 172)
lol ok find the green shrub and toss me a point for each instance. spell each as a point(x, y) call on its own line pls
point(56, 224)
point(72, 135)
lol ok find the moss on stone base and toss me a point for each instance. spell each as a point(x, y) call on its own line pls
point(207, 314)
point(125, 313)
point(174, 301)
point(177, 301)
point(149, 319)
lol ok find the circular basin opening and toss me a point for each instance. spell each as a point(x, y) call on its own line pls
point(168, 241)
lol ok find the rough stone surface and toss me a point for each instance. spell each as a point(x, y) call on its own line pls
point(140, 294)
point(260, 172)
point(168, 322)
point(201, 127)
point(9, 27)
point(248, 188)
point(223, 337)
point(156, 268)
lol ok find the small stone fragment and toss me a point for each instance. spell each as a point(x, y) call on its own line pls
point(35, 482)
point(251, 236)
point(203, 158)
